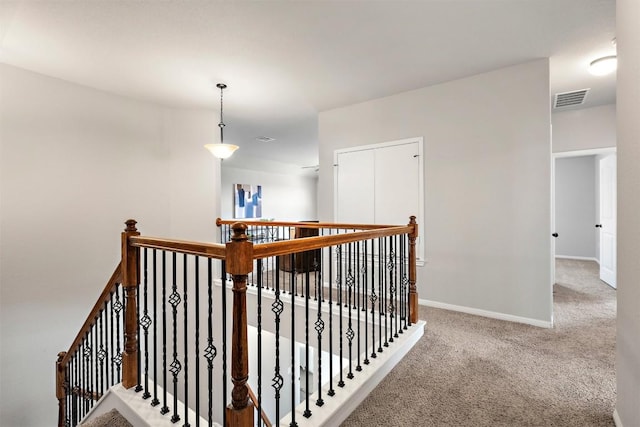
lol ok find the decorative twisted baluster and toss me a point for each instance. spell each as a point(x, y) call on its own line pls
point(175, 367)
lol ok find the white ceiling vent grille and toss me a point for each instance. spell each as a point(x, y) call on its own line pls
point(569, 99)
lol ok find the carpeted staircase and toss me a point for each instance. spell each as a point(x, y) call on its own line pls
point(113, 418)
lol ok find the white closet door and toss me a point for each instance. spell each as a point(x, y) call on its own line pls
point(355, 187)
point(397, 184)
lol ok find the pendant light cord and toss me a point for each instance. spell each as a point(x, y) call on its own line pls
point(221, 124)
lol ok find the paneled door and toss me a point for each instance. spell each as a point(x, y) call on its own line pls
point(380, 184)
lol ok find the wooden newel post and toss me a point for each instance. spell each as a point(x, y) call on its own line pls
point(61, 393)
point(413, 292)
point(130, 262)
point(239, 263)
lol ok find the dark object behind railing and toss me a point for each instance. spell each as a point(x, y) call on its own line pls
point(158, 324)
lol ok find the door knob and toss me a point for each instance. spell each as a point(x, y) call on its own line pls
point(555, 234)
point(598, 225)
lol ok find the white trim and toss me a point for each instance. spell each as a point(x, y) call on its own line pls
point(616, 418)
point(336, 409)
point(579, 258)
point(137, 410)
point(486, 313)
point(590, 152)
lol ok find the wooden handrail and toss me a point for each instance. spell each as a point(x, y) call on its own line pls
point(254, 399)
point(116, 278)
point(210, 250)
point(283, 247)
point(220, 221)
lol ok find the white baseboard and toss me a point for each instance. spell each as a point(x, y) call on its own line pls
point(486, 313)
point(579, 258)
point(616, 418)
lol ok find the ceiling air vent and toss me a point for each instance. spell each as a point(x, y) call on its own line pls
point(264, 139)
point(569, 99)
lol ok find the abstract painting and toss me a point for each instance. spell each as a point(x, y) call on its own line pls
point(247, 201)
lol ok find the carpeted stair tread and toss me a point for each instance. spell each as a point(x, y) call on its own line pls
point(113, 418)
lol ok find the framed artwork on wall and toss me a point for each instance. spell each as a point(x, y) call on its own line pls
point(247, 201)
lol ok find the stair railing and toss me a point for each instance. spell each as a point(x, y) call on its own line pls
point(93, 362)
point(145, 330)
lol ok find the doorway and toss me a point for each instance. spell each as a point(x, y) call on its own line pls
point(584, 208)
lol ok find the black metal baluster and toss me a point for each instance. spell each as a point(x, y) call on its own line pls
point(402, 284)
point(101, 352)
point(392, 288)
point(277, 307)
point(360, 272)
point(319, 326)
point(186, 343)
point(94, 361)
point(340, 304)
point(197, 336)
point(87, 389)
point(138, 387)
point(307, 277)
point(211, 351)
point(372, 298)
point(331, 391)
point(350, 284)
point(397, 291)
point(87, 360)
point(385, 294)
point(83, 380)
point(365, 302)
point(259, 325)
point(145, 321)
point(295, 368)
point(380, 292)
point(165, 407)
point(155, 401)
point(175, 366)
point(405, 280)
point(75, 414)
point(107, 330)
point(111, 331)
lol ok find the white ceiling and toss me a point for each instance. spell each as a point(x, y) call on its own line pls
point(284, 61)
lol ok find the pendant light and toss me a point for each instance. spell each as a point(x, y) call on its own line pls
point(221, 150)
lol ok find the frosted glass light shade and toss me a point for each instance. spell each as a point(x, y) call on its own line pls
point(221, 151)
point(602, 66)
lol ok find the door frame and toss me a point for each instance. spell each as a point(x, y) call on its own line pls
point(563, 154)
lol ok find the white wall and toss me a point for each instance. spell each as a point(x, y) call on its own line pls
point(628, 105)
point(75, 163)
point(584, 129)
point(487, 178)
point(285, 197)
point(576, 206)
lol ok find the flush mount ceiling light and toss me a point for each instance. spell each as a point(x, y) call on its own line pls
point(221, 150)
point(604, 65)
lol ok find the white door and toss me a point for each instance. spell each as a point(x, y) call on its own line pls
point(355, 176)
point(397, 184)
point(607, 223)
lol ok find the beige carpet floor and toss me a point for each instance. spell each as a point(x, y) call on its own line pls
point(474, 371)
point(109, 419)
